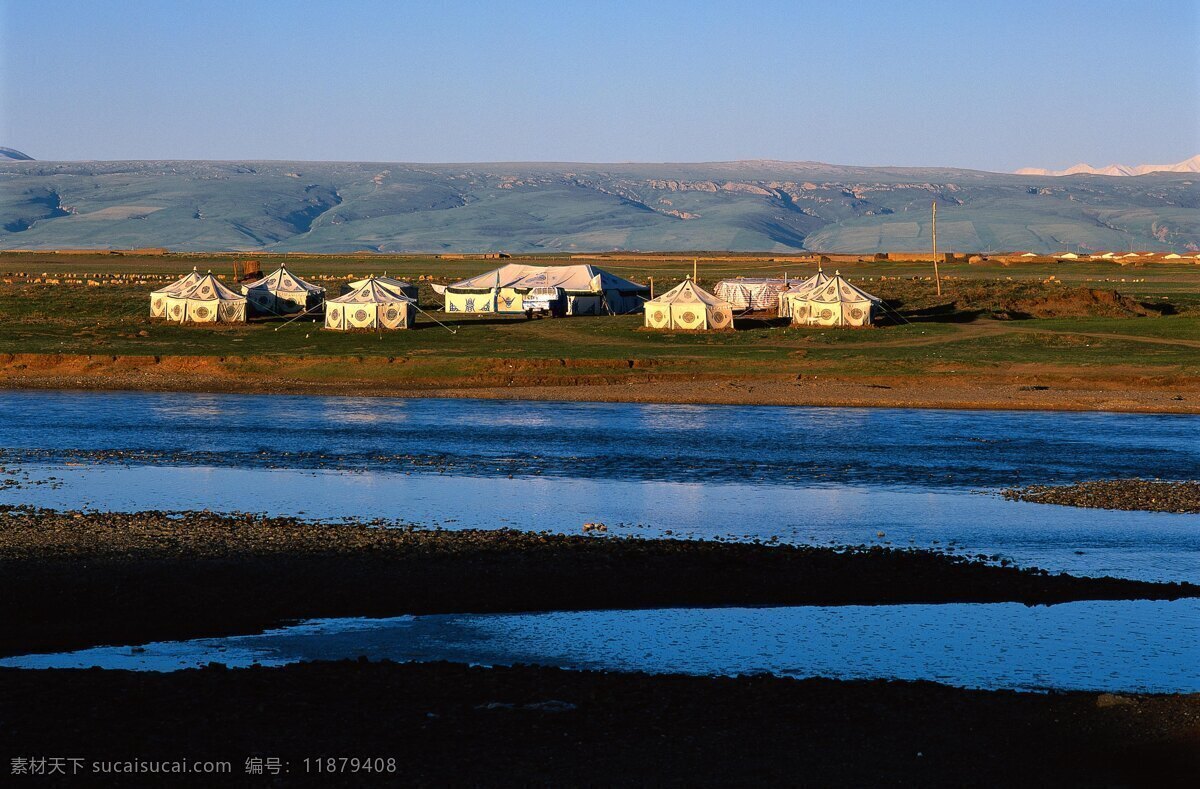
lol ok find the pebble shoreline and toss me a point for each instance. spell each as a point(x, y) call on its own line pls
point(1116, 494)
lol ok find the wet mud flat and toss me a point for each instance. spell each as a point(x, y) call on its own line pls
point(71, 580)
point(1116, 494)
point(452, 724)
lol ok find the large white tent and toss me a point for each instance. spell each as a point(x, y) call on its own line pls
point(158, 298)
point(588, 290)
point(281, 293)
point(797, 293)
point(837, 303)
point(372, 305)
point(206, 301)
point(751, 293)
point(391, 283)
point(689, 307)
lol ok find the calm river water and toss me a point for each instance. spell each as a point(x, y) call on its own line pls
point(806, 475)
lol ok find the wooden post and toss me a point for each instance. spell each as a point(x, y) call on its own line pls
point(652, 289)
point(695, 265)
point(936, 277)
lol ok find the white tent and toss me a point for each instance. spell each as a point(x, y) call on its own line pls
point(391, 283)
point(838, 303)
point(1172, 256)
point(281, 292)
point(751, 293)
point(689, 307)
point(372, 305)
point(588, 290)
point(206, 301)
point(797, 293)
point(158, 298)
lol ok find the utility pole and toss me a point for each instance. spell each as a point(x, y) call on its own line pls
point(936, 277)
point(695, 266)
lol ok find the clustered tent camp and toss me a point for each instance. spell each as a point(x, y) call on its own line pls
point(205, 301)
point(750, 293)
point(370, 306)
point(689, 307)
point(836, 303)
point(795, 295)
point(158, 298)
point(587, 289)
point(391, 283)
point(281, 292)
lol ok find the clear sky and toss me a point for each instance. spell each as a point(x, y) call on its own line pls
point(992, 85)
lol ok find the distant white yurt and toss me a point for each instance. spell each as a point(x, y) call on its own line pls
point(797, 293)
point(689, 307)
point(751, 293)
point(370, 306)
point(206, 301)
point(1172, 256)
point(838, 303)
point(282, 293)
point(398, 285)
point(158, 298)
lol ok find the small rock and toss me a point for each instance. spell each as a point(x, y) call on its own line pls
point(1113, 700)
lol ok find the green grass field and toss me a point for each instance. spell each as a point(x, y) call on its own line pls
point(956, 332)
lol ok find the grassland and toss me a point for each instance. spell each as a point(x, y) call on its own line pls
point(974, 345)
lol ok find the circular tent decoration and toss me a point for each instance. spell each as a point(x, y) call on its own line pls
point(658, 316)
point(361, 315)
point(176, 310)
point(826, 314)
point(206, 291)
point(392, 313)
point(336, 315)
point(688, 317)
point(856, 314)
point(720, 318)
point(158, 304)
point(202, 312)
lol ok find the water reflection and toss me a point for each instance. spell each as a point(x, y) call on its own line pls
point(1078, 646)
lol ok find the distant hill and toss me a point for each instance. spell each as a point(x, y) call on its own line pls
point(9, 153)
point(1186, 166)
point(565, 207)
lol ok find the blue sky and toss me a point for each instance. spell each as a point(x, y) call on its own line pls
point(995, 85)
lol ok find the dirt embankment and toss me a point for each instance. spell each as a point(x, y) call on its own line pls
point(1116, 494)
point(446, 724)
point(1030, 386)
point(153, 575)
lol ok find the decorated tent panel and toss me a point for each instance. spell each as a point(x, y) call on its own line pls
point(281, 293)
point(836, 303)
point(206, 301)
point(370, 306)
point(688, 307)
point(158, 298)
point(794, 296)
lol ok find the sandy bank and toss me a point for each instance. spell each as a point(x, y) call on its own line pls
point(1031, 387)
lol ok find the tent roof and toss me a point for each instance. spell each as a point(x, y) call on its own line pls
point(207, 288)
point(385, 280)
point(577, 277)
point(284, 280)
point(837, 289)
point(181, 284)
point(688, 292)
point(372, 291)
point(815, 281)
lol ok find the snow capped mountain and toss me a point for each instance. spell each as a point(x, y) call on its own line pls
point(1187, 166)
